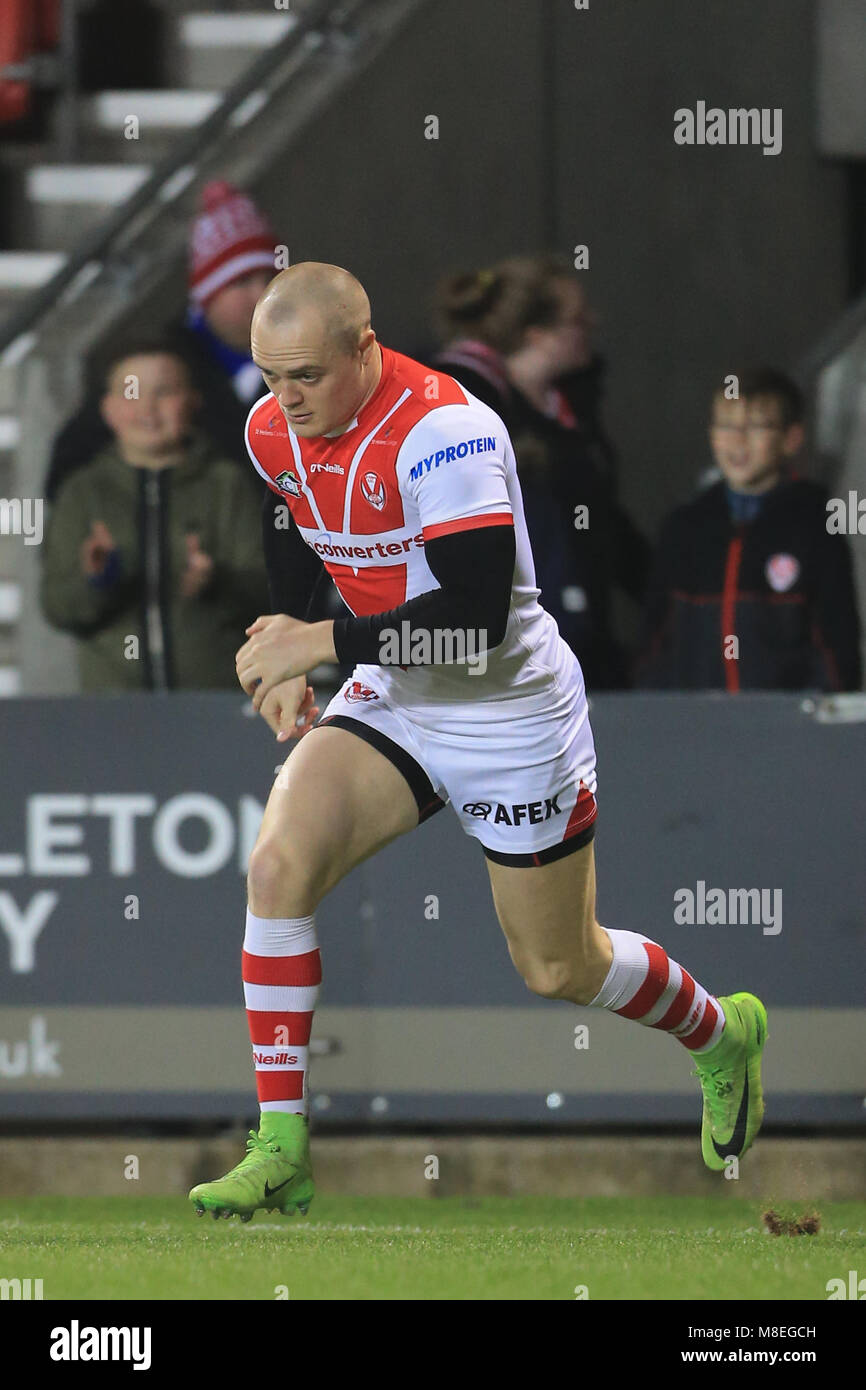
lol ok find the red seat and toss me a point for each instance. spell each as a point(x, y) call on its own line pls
point(26, 27)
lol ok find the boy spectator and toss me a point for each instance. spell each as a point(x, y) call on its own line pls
point(152, 554)
point(749, 590)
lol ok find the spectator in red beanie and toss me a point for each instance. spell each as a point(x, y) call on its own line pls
point(232, 253)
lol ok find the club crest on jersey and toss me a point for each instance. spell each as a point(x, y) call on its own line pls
point(782, 571)
point(357, 691)
point(373, 490)
point(289, 482)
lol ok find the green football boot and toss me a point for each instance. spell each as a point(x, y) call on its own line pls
point(730, 1076)
point(276, 1174)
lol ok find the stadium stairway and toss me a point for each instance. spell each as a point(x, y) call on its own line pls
point(50, 204)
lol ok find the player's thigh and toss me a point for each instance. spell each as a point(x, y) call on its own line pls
point(547, 911)
point(336, 801)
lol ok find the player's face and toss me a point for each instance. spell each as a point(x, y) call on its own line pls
point(317, 383)
point(749, 442)
point(230, 312)
point(150, 403)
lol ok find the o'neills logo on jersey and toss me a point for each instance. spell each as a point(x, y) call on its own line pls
point(373, 490)
point(454, 451)
point(289, 482)
point(533, 812)
point(357, 691)
point(326, 468)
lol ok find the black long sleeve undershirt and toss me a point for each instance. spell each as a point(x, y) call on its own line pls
point(474, 568)
point(293, 569)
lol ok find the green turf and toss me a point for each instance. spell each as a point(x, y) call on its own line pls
point(411, 1248)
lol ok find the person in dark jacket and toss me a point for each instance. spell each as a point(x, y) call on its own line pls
point(152, 555)
point(750, 591)
point(518, 337)
point(232, 260)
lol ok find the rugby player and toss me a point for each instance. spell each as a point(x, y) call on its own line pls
point(405, 486)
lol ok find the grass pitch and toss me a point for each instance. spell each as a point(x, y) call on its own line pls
point(407, 1248)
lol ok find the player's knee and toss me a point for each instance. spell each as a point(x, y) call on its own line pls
point(280, 881)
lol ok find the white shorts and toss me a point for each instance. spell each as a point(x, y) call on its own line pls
point(520, 773)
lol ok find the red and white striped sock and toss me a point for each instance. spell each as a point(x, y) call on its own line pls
point(644, 984)
point(282, 970)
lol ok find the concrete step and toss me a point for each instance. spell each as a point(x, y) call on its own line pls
point(63, 202)
point(52, 206)
point(26, 270)
point(211, 51)
point(10, 433)
point(10, 681)
point(10, 602)
point(109, 133)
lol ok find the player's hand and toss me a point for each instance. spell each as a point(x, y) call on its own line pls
point(278, 649)
point(289, 709)
point(96, 549)
point(199, 569)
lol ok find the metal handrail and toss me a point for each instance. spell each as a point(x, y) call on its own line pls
point(94, 246)
point(834, 341)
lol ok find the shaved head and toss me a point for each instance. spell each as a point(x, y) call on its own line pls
point(326, 293)
point(312, 339)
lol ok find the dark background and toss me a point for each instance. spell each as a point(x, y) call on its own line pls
point(556, 128)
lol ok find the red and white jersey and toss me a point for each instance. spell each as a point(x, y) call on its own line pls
point(424, 458)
